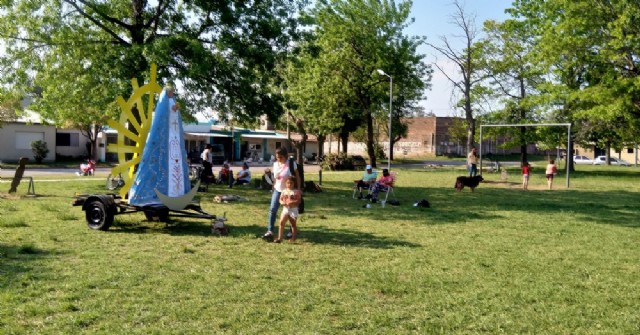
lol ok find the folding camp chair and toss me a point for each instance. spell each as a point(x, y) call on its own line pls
point(390, 188)
point(357, 190)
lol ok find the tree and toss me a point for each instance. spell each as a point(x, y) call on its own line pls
point(513, 74)
point(82, 53)
point(466, 62)
point(356, 39)
point(311, 106)
point(8, 107)
point(591, 48)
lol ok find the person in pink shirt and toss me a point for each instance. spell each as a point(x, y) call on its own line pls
point(551, 172)
point(382, 185)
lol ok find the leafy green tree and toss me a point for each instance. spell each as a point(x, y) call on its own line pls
point(8, 106)
point(312, 106)
point(82, 53)
point(592, 49)
point(358, 37)
point(513, 74)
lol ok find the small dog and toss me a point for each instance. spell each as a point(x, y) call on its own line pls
point(470, 182)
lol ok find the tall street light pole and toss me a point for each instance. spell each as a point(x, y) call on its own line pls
point(382, 73)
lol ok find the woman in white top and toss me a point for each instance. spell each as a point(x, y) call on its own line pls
point(280, 172)
point(244, 175)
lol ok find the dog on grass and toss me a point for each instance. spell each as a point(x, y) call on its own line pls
point(470, 182)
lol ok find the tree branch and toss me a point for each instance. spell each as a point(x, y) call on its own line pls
point(98, 23)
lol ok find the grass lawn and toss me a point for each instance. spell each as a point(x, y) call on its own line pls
point(499, 260)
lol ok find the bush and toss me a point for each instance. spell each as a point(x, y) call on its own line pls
point(379, 151)
point(40, 150)
point(337, 162)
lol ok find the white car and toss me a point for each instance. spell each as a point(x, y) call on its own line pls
point(582, 160)
point(601, 160)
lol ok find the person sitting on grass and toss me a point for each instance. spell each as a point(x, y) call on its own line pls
point(244, 175)
point(382, 185)
point(267, 180)
point(225, 176)
point(368, 178)
point(289, 199)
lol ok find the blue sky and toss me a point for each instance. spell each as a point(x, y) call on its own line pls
point(432, 19)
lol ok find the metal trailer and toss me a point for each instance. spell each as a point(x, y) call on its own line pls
point(100, 210)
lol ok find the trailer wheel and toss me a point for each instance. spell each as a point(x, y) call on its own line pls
point(98, 217)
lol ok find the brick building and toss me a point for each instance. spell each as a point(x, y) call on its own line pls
point(427, 136)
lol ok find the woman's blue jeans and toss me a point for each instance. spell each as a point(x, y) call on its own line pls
point(273, 209)
point(473, 170)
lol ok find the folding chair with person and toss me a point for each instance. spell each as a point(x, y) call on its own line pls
point(386, 184)
point(368, 180)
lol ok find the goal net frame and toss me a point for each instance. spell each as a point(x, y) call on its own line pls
point(568, 125)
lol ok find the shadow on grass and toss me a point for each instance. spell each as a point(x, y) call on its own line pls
point(451, 207)
point(490, 201)
point(15, 260)
point(341, 237)
point(175, 227)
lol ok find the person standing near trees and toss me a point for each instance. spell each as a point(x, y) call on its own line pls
point(289, 199)
point(207, 164)
point(550, 172)
point(472, 162)
point(526, 169)
point(281, 171)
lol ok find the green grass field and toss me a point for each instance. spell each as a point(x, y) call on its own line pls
point(499, 260)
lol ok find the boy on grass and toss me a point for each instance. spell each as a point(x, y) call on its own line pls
point(289, 199)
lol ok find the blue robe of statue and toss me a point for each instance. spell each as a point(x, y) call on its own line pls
point(164, 159)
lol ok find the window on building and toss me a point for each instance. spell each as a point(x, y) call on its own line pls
point(278, 145)
point(112, 138)
point(68, 140)
point(629, 150)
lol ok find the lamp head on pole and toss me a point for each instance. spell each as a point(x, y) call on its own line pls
point(382, 73)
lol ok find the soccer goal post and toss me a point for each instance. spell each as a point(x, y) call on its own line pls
point(568, 125)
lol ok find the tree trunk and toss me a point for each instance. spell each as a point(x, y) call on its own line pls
point(523, 146)
point(321, 140)
point(370, 143)
point(470, 131)
point(344, 141)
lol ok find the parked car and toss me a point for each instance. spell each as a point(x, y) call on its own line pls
point(601, 160)
point(577, 159)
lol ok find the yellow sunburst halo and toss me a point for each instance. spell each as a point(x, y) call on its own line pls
point(129, 154)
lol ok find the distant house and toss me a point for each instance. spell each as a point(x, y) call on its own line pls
point(16, 137)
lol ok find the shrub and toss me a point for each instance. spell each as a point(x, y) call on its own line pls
point(379, 151)
point(339, 162)
point(40, 150)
